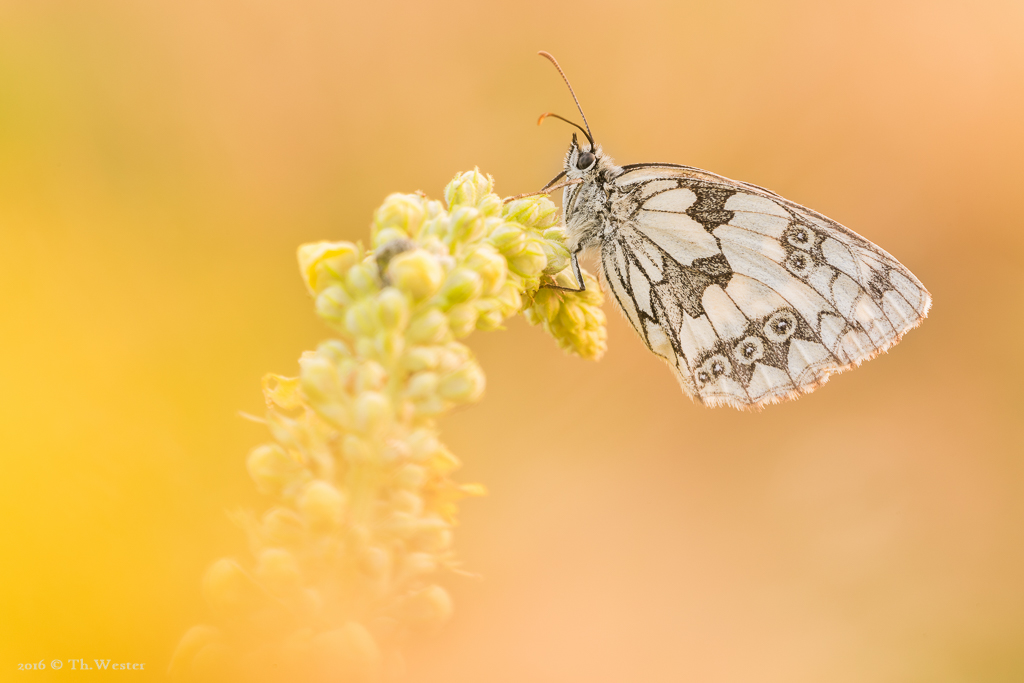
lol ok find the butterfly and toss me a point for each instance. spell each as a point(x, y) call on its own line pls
point(751, 299)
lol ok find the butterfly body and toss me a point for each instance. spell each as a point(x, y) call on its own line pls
point(751, 299)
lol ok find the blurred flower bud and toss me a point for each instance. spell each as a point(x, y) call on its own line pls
point(462, 319)
point(464, 385)
point(404, 212)
point(321, 504)
point(430, 327)
point(371, 376)
point(272, 469)
point(361, 319)
point(332, 302)
point(462, 284)
point(393, 308)
point(423, 444)
point(325, 263)
point(323, 389)
point(466, 224)
point(415, 273)
point(372, 412)
point(420, 358)
point(490, 314)
point(422, 385)
point(490, 266)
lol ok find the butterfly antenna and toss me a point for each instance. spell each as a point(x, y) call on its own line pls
point(571, 123)
point(547, 56)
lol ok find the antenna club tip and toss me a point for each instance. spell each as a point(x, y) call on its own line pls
point(540, 119)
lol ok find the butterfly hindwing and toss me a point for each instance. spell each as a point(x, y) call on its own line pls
point(751, 298)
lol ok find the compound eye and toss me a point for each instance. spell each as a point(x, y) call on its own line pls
point(585, 161)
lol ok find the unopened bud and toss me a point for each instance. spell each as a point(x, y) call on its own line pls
point(464, 385)
point(416, 273)
point(322, 263)
point(430, 327)
point(462, 319)
point(321, 504)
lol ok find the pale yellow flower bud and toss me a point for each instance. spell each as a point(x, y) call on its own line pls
point(464, 385)
point(430, 607)
point(372, 412)
point(531, 260)
point(466, 224)
point(462, 319)
point(468, 189)
point(416, 273)
point(536, 211)
point(388, 236)
point(323, 389)
point(462, 284)
point(423, 444)
point(492, 268)
point(422, 386)
point(421, 358)
point(557, 256)
point(321, 504)
point(273, 469)
point(490, 314)
point(361, 280)
point(347, 654)
point(402, 211)
point(361, 319)
point(508, 238)
point(371, 376)
point(332, 303)
point(324, 263)
point(430, 327)
point(393, 309)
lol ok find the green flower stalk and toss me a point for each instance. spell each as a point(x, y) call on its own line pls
point(346, 561)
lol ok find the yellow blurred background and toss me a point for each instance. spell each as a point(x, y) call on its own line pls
point(161, 161)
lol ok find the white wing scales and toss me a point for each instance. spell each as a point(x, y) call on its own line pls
point(751, 298)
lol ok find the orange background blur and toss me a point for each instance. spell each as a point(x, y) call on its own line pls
point(161, 161)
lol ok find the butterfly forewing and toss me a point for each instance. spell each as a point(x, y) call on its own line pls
point(751, 298)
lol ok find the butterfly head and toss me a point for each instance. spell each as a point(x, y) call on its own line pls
point(584, 161)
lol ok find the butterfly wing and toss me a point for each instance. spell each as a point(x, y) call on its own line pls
point(751, 298)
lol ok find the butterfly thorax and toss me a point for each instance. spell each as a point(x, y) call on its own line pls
point(587, 200)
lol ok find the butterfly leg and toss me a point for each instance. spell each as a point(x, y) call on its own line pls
point(576, 272)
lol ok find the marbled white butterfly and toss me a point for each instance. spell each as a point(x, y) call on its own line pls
point(751, 298)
